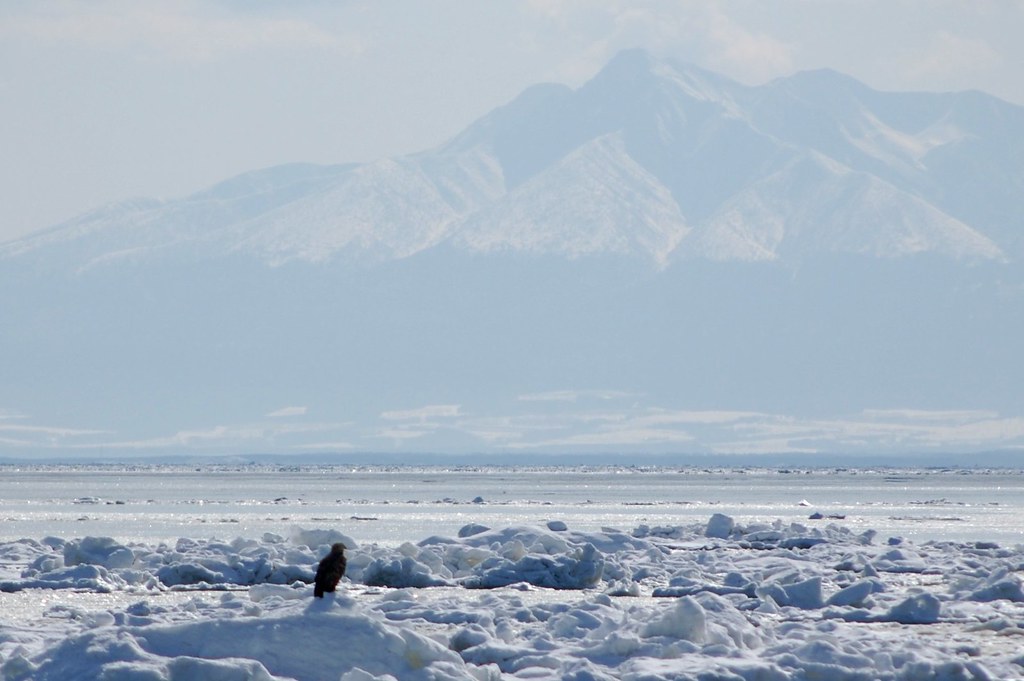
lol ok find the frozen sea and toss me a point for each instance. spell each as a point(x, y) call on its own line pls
point(397, 504)
point(174, 572)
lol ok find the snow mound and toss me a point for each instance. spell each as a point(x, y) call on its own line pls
point(299, 641)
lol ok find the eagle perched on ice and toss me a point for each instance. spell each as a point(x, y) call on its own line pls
point(330, 571)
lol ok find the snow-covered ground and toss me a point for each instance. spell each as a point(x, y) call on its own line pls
point(710, 600)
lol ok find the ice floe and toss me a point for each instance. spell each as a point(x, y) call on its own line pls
point(711, 601)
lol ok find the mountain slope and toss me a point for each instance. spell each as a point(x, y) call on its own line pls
point(596, 200)
point(385, 210)
point(960, 152)
point(541, 175)
point(815, 205)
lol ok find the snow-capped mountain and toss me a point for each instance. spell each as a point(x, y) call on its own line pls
point(649, 159)
point(605, 267)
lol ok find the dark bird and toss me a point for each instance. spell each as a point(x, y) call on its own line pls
point(330, 571)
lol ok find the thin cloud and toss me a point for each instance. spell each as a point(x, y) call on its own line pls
point(701, 32)
point(699, 417)
point(736, 49)
point(769, 446)
point(401, 433)
point(324, 446)
point(185, 31)
point(50, 431)
point(744, 432)
point(15, 433)
point(916, 428)
point(948, 53)
point(494, 436)
point(929, 415)
point(221, 436)
point(575, 395)
point(285, 412)
point(183, 439)
point(631, 437)
point(988, 432)
point(422, 414)
point(576, 424)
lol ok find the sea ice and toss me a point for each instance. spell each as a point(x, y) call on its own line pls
point(713, 601)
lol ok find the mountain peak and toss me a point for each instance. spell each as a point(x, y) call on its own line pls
point(637, 71)
point(630, 61)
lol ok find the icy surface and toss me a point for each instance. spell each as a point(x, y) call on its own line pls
point(177, 572)
point(394, 505)
point(772, 600)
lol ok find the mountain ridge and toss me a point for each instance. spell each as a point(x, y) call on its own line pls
point(694, 136)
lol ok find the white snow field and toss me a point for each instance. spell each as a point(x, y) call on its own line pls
point(718, 598)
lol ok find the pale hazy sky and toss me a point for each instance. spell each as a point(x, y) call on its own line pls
point(111, 99)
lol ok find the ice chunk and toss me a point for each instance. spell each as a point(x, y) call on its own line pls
point(103, 551)
point(720, 526)
point(87, 577)
point(1008, 588)
point(400, 573)
point(805, 595)
point(188, 573)
point(920, 608)
point(855, 594)
point(686, 621)
point(471, 529)
point(578, 570)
